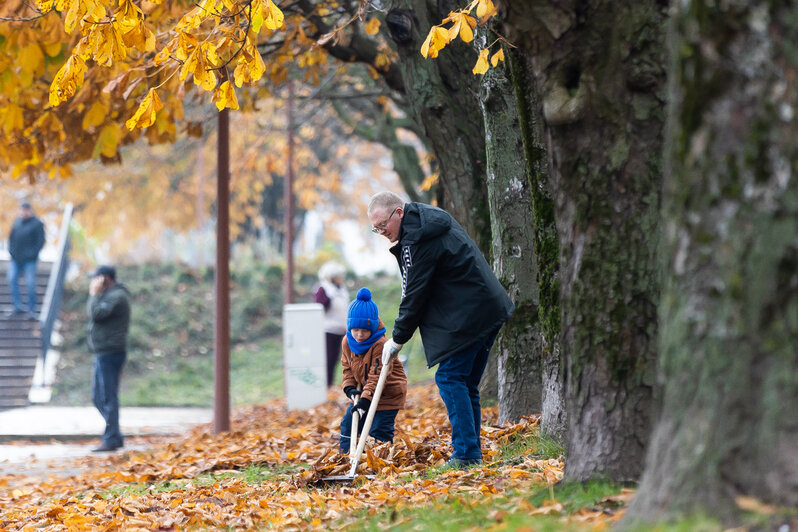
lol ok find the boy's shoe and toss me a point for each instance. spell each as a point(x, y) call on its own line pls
point(461, 463)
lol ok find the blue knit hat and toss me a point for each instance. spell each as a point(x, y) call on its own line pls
point(363, 313)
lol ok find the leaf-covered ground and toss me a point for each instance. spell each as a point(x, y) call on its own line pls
point(266, 473)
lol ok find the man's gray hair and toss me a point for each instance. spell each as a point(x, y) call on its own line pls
point(385, 200)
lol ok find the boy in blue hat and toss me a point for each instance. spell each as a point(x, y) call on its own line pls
point(361, 360)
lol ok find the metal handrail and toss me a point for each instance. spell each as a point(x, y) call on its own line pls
point(55, 284)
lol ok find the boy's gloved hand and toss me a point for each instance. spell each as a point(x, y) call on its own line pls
point(363, 405)
point(390, 350)
point(351, 392)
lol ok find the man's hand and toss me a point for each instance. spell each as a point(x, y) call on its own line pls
point(390, 350)
point(96, 286)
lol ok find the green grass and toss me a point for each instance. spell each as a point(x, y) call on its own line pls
point(542, 447)
point(509, 511)
point(256, 376)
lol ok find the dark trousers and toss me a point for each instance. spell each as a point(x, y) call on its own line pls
point(28, 270)
point(381, 426)
point(105, 393)
point(458, 383)
point(333, 353)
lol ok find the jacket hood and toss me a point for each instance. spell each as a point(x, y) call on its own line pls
point(423, 222)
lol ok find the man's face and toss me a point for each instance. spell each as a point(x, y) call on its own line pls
point(25, 212)
point(386, 222)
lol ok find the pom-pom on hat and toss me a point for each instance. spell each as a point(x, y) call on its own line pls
point(363, 313)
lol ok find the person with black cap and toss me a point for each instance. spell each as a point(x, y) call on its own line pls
point(24, 244)
point(109, 319)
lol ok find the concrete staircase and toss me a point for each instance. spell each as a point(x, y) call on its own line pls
point(20, 339)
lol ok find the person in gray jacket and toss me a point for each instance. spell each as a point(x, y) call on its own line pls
point(451, 295)
point(109, 319)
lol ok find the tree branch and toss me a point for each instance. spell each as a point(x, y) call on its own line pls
point(405, 158)
point(360, 49)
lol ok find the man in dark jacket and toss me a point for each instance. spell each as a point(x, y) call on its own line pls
point(109, 318)
point(449, 293)
point(24, 244)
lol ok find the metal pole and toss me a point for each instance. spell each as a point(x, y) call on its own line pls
point(288, 200)
point(221, 328)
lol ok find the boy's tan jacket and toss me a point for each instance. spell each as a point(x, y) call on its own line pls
point(363, 371)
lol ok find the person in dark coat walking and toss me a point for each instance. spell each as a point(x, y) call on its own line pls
point(24, 244)
point(449, 293)
point(109, 319)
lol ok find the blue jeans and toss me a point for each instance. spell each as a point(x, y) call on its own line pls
point(381, 426)
point(28, 269)
point(458, 378)
point(105, 393)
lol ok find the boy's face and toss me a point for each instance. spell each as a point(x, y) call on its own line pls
point(360, 334)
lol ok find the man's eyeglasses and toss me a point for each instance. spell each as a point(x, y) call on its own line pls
point(379, 228)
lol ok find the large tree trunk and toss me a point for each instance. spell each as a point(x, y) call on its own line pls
point(518, 346)
point(441, 96)
point(489, 384)
point(552, 416)
point(599, 67)
point(729, 317)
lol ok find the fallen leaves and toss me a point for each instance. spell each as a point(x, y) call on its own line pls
point(200, 481)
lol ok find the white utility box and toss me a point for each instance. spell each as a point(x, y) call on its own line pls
point(304, 355)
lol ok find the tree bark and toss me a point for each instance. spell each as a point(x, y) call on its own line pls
point(599, 69)
point(518, 346)
point(729, 316)
point(441, 96)
point(489, 384)
point(552, 416)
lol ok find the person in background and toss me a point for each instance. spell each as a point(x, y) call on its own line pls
point(24, 244)
point(361, 363)
point(449, 293)
point(109, 319)
point(332, 294)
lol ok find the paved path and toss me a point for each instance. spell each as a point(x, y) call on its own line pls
point(81, 422)
point(72, 432)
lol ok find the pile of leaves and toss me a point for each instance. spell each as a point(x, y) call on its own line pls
point(197, 482)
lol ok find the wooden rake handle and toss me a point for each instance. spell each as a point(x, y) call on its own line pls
point(355, 421)
point(361, 444)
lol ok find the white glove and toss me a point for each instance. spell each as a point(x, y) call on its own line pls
point(390, 350)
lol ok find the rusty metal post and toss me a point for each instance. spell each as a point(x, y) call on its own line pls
point(221, 325)
point(288, 200)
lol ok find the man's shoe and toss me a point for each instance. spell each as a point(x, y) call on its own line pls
point(31, 316)
point(106, 447)
point(461, 463)
point(14, 312)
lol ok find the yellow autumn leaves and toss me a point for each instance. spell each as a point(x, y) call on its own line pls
point(462, 25)
point(105, 39)
point(108, 36)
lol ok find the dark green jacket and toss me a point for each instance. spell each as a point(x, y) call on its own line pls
point(109, 319)
point(448, 289)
